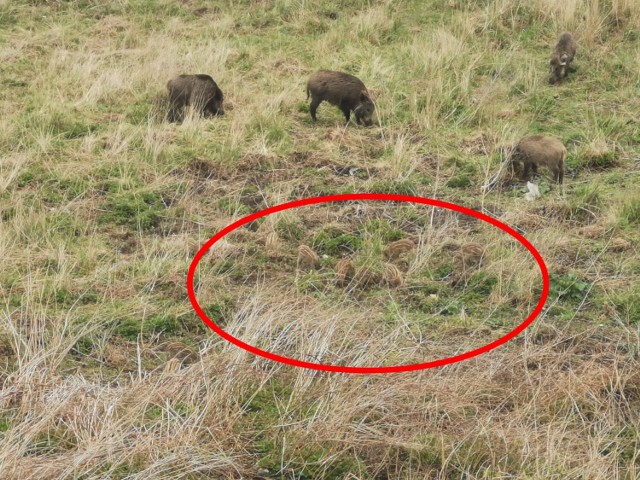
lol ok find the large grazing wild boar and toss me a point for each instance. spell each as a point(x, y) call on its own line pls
point(342, 90)
point(537, 150)
point(562, 57)
point(199, 91)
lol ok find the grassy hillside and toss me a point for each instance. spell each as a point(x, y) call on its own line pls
point(106, 370)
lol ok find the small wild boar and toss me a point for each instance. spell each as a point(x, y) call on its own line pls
point(345, 91)
point(536, 150)
point(201, 91)
point(344, 271)
point(307, 258)
point(365, 276)
point(392, 276)
point(562, 57)
point(470, 255)
point(397, 248)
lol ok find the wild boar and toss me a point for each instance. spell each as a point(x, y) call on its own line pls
point(470, 255)
point(562, 57)
point(397, 248)
point(344, 271)
point(536, 150)
point(366, 276)
point(392, 276)
point(200, 91)
point(307, 258)
point(345, 91)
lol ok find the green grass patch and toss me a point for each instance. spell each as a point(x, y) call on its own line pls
point(138, 210)
point(333, 241)
point(567, 287)
point(630, 214)
point(627, 303)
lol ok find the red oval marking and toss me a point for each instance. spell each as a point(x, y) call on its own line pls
point(369, 196)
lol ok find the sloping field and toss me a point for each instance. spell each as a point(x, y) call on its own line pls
point(107, 371)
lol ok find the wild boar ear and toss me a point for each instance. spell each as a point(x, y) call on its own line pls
point(364, 95)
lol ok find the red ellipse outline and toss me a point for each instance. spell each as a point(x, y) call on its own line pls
point(368, 196)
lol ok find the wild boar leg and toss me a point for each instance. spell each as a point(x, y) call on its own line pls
point(346, 110)
point(314, 107)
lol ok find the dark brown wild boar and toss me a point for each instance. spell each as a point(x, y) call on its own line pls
point(199, 91)
point(562, 57)
point(537, 150)
point(345, 91)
